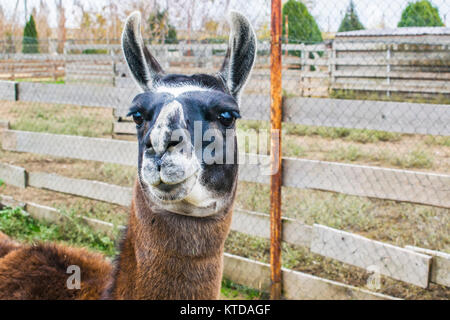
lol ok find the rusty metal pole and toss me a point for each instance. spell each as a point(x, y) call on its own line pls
point(275, 142)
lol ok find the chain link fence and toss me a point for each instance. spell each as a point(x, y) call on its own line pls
point(365, 139)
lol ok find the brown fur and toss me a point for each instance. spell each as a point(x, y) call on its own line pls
point(163, 256)
point(39, 272)
point(6, 245)
point(169, 256)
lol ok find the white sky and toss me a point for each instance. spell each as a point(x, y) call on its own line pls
point(328, 13)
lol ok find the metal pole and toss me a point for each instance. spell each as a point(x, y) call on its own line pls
point(275, 140)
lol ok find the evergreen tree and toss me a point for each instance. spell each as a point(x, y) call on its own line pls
point(161, 30)
point(351, 21)
point(301, 25)
point(420, 14)
point(30, 42)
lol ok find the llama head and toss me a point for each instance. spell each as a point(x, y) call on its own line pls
point(186, 124)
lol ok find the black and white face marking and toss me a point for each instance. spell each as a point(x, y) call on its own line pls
point(186, 125)
point(175, 134)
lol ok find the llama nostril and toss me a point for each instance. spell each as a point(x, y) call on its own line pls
point(158, 162)
point(148, 144)
point(172, 143)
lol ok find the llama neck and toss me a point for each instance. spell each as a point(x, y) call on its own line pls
point(169, 256)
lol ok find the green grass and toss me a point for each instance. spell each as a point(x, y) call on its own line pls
point(414, 159)
point(19, 225)
point(351, 153)
point(94, 209)
point(231, 290)
point(355, 135)
point(62, 119)
point(437, 141)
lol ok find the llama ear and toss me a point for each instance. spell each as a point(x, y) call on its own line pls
point(241, 54)
point(143, 66)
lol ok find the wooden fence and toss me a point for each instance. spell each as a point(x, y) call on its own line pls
point(401, 117)
point(297, 285)
point(411, 265)
point(12, 69)
point(396, 67)
point(369, 181)
point(311, 70)
point(359, 180)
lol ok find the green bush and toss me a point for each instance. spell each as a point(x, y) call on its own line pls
point(160, 28)
point(302, 28)
point(30, 42)
point(420, 14)
point(351, 20)
point(94, 51)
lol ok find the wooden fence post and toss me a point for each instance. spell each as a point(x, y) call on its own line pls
point(275, 118)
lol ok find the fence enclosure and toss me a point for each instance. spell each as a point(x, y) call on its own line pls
point(351, 62)
point(360, 206)
point(377, 182)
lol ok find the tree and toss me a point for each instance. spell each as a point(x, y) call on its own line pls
point(30, 37)
point(351, 20)
point(301, 25)
point(420, 14)
point(160, 29)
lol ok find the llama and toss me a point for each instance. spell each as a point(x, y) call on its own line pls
point(182, 204)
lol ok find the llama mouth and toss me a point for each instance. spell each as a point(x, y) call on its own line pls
point(174, 192)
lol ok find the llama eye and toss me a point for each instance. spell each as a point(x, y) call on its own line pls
point(227, 118)
point(138, 119)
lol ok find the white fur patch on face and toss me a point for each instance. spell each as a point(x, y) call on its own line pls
point(200, 196)
point(178, 90)
point(161, 133)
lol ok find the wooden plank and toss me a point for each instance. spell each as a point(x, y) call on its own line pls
point(358, 180)
point(40, 212)
point(302, 286)
point(13, 175)
point(75, 147)
point(401, 117)
point(392, 62)
point(258, 225)
point(440, 267)
point(53, 215)
point(296, 285)
point(91, 96)
point(403, 84)
point(392, 88)
point(392, 261)
point(7, 201)
point(80, 187)
point(368, 181)
point(352, 45)
point(8, 90)
point(377, 73)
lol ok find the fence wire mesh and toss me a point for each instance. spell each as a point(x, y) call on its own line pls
point(366, 134)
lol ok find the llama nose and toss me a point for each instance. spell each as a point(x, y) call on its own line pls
point(160, 142)
point(168, 130)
